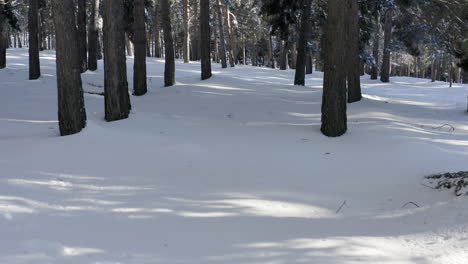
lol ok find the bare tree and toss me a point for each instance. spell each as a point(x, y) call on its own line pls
point(205, 38)
point(139, 41)
point(169, 68)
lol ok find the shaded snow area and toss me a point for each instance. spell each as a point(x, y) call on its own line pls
point(232, 170)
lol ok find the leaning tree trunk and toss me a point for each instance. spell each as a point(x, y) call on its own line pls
point(334, 81)
point(353, 61)
point(33, 29)
point(71, 110)
point(205, 49)
point(139, 42)
point(157, 29)
point(93, 36)
point(385, 71)
point(186, 31)
point(116, 98)
point(81, 21)
point(299, 78)
point(221, 35)
point(169, 66)
point(3, 35)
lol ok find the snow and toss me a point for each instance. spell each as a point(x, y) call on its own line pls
point(230, 170)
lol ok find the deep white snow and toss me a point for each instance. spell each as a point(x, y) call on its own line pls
point(232, 170)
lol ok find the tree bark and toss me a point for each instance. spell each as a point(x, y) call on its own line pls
point(71, 110)
point(81, 21)
point(229, 37)
point(139, 40)
point(3, 35)
point(375, 51)
point(334, 120)
point(302, 54)
point(309, 62)
point(283, 55)
point(186, 18)
point(385, 71)
point(353, 61)
point(222, 42)
point(169, 66)
point(93, 36)
point(116, 98)
point(157, 29)
point(205, 41)
point(34, 63)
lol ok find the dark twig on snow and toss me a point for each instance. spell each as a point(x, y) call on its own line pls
point(341, 206)
point(96, 93)
point(451, 128)
point(413, 203)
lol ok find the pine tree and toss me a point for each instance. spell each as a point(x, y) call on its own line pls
point(93, 36)
point(169, 68)
point(139, 41)
point(334, 120)
point(116, 98)
point(71, 110)
point(34, 64)
point(205, 38)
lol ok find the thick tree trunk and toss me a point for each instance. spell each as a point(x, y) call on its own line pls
point(205, 49)
point(352, 49)
point(34, 64)
point(71, 110)
point(385, 71)
point(139, 40)
point(302, 54)
point(334, 120)
point(93, 36)
point(81, 21)
point(186, 18)
point(116, 98)
point(157, 29)
point(169, 66)
point(222, 42)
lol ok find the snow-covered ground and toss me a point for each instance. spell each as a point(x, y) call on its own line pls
point(233, 170)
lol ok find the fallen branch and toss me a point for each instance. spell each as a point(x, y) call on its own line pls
point(341, 206)
point(413, 203)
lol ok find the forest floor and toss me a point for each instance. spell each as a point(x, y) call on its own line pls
point(232, 170)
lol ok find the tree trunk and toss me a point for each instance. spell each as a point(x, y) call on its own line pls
point(375, 51)
point(385, 71)
point(205, 49)
point(229, 37)
point(81, 21)
point(334, 120)
point(270, 52)
point(71, 110)
point(157, 29)
point(169, 65)
point(283, 55)
point(93, 36)
point(34, 64)
point(116, 98)
point(293, 55)
point(309, 62)
point(221, 35)
point(302, 54)
point(129, 45)
point(139, 40)
point(186, 17)
point(3, 35)
point(353, 61)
